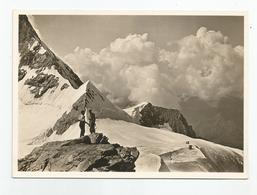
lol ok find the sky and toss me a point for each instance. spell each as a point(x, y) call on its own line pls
point(160, 59)
point(65, 33)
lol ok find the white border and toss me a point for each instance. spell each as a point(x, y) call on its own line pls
point(146, 175)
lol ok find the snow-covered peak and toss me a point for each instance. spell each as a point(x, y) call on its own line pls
point(89, 97)
point(85, 98)
point(134, 110)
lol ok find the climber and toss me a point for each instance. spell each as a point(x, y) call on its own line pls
point(82, 123)
point(91, 120)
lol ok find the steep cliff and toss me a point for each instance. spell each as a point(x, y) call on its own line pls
point(34, 54)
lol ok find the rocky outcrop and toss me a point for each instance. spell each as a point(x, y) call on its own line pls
point(88, 153)
point(22, 73)
point(154, 116)
point(36, 55)
point(41, 83)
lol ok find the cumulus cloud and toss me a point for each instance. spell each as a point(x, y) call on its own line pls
point(133, 69)
point(206, 66)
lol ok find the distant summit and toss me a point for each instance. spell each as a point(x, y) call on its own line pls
point(149, 115)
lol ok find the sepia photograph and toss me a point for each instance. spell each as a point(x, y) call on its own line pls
point(129, 95)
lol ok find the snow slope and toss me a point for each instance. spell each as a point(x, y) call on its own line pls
point(36, 115)
point(154, 144)
point(46, 85)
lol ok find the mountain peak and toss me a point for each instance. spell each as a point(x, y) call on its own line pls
point(35, 55)
point(149, 115)
point(143, 103)
point(86, 97)
point(137, 107)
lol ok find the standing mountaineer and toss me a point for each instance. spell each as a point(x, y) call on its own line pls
point(91, 120)
point(82, 123)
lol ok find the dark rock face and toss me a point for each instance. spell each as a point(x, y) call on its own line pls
point(22, 74)
point(69, 118)
point(88, 153)
point(36, 55)
point(154, 116)
point(41, 83)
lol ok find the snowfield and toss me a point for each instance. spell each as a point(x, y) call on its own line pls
point(162, 150)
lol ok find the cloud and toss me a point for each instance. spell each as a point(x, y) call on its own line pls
point(133, 69)
point(206, 66)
